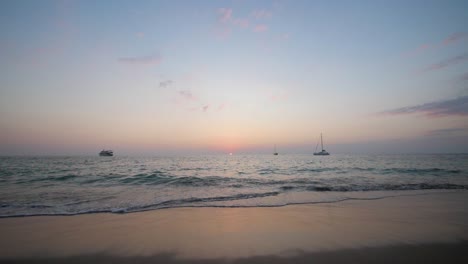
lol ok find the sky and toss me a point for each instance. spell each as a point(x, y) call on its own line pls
point(179, 77)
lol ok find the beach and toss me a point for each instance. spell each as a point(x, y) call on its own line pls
point(233, 131)
point(405, 229)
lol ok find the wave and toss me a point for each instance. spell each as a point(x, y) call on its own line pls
point(193, 200)
point(338, 183)
point(120, 185)
point(185, 203)
point(344, 170)
point(387, 187)
point(297, 176)
point(48, 178)
point(322, 184)
point(381, 187)
point(161, 205)
point(420, 171)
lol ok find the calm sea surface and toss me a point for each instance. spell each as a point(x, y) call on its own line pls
point(77, 185)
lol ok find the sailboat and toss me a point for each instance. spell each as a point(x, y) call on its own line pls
point(323, 152)
point(274, 151)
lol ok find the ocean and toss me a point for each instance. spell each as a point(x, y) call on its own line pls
point(79, 185)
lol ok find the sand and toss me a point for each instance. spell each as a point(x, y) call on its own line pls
point(407, 229)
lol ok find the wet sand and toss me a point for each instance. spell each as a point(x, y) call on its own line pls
point(408, 229)
point(428, 253)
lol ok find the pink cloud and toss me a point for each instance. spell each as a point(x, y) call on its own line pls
point(422, 48)
point(223, 28)
point(261, 14)
point(242, 22)
point(222, 32)
point(278, 97)
point(185, 98)
point(260, 28)
point(226, 22)
point(221, 107)
point(455, 37)
point(224, 14)
point(445, 63)
point(418, 50)
point(140, 34)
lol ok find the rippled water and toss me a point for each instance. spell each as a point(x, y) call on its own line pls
point(74, 185)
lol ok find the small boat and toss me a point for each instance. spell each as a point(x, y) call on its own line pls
point(106, 153)
point(323, 152)
point(274, 151)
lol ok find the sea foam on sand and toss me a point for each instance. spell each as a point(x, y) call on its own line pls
point(413, 223)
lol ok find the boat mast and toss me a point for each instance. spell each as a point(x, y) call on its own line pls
point(321, 140)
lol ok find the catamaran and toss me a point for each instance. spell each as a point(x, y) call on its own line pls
point(323, 152)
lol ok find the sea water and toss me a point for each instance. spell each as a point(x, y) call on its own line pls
point(78, 185)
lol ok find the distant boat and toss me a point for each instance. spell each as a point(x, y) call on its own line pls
point(323, 152)
point(274, 151)
point(106, 153)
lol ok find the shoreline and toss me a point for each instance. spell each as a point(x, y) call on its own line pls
point(386, 194)
point(248, 234)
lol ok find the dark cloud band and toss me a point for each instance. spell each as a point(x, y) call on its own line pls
point(458, 106)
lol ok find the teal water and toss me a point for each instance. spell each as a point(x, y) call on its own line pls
point(76, 185)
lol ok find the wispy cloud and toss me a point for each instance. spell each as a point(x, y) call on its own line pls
point(446, 132)
point(445, 63)
point(223, 27)
point(241, 22)
point(140, 34)
point(188, 95)
point(226, 21)
point(278, 96)
point(422, 48)
point(206, 108)
point(260, 28)
point(224, 14)
point(451, 39)
point(261, 14)
point(464, 76)
point(452, 107)
point(165, 83)
point(145, 60)
point(455, 37)
point(222, 32)
point(221, 107)
point(185, 98)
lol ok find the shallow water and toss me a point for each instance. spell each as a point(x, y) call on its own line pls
point(76, 185)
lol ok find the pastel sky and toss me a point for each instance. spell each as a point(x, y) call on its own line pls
point(165, 77)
